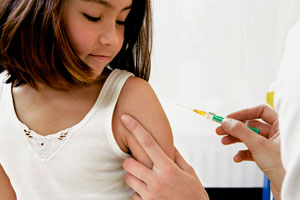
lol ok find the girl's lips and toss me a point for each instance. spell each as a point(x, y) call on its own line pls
point(101, 57)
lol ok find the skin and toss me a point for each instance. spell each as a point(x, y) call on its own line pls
point(169, 181)
point(96, 41)
point(96, 30)
point(7, 192)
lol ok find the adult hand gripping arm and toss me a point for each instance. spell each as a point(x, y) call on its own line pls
point(166, 180)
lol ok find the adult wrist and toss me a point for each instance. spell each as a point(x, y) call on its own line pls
point(276, 183)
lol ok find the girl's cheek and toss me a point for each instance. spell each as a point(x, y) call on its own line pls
point(81, 41)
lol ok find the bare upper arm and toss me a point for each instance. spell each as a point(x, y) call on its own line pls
point(139, 100)
point(6, 192)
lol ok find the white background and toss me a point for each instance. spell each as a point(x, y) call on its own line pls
point(220, 56)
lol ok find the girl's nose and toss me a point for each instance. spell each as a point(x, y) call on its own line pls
point(108, 35)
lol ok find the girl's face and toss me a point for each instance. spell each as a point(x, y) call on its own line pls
point(95, 29)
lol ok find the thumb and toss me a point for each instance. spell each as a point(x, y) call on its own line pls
point(239, 130)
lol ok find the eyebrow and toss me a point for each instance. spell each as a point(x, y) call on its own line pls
point(106, 4)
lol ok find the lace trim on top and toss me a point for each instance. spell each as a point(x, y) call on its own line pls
point(45, 147)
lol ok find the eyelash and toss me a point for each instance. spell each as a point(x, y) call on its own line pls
point(93, 19)
point(120, 22)
point(96, 19)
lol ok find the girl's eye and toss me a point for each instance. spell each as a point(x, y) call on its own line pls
point(93, 19)
point(120, 22)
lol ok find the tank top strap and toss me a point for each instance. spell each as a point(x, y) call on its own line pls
point(111, 91)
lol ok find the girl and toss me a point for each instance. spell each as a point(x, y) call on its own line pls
point(60, 103)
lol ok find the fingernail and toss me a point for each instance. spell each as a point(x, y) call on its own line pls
point(125, 119)
point(227, 123)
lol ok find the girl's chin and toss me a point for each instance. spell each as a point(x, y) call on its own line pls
point(97, 71)
point(96, 67)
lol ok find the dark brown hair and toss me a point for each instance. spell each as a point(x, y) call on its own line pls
point(34, 46)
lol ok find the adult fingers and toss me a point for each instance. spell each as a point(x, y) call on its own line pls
point(136, 184)
point(156, 154)
point(226, 140)
point(263, 112)
point(221, 131)
point(138, 169)
point(265, 129)
point(239, 130)
point(135, 196)
point(181, 162)
point(243, 155)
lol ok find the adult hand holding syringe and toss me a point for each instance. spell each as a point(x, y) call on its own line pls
point(213, 117)
point(263, 148)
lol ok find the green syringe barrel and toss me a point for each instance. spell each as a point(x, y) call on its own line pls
point(219, 119)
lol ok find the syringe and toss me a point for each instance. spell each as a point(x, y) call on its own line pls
point(213, 117)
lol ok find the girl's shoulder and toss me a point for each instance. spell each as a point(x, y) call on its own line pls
point(139, 100)
point(137, 87)
point(137, 94)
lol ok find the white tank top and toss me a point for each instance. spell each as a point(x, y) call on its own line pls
point(83, 162)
